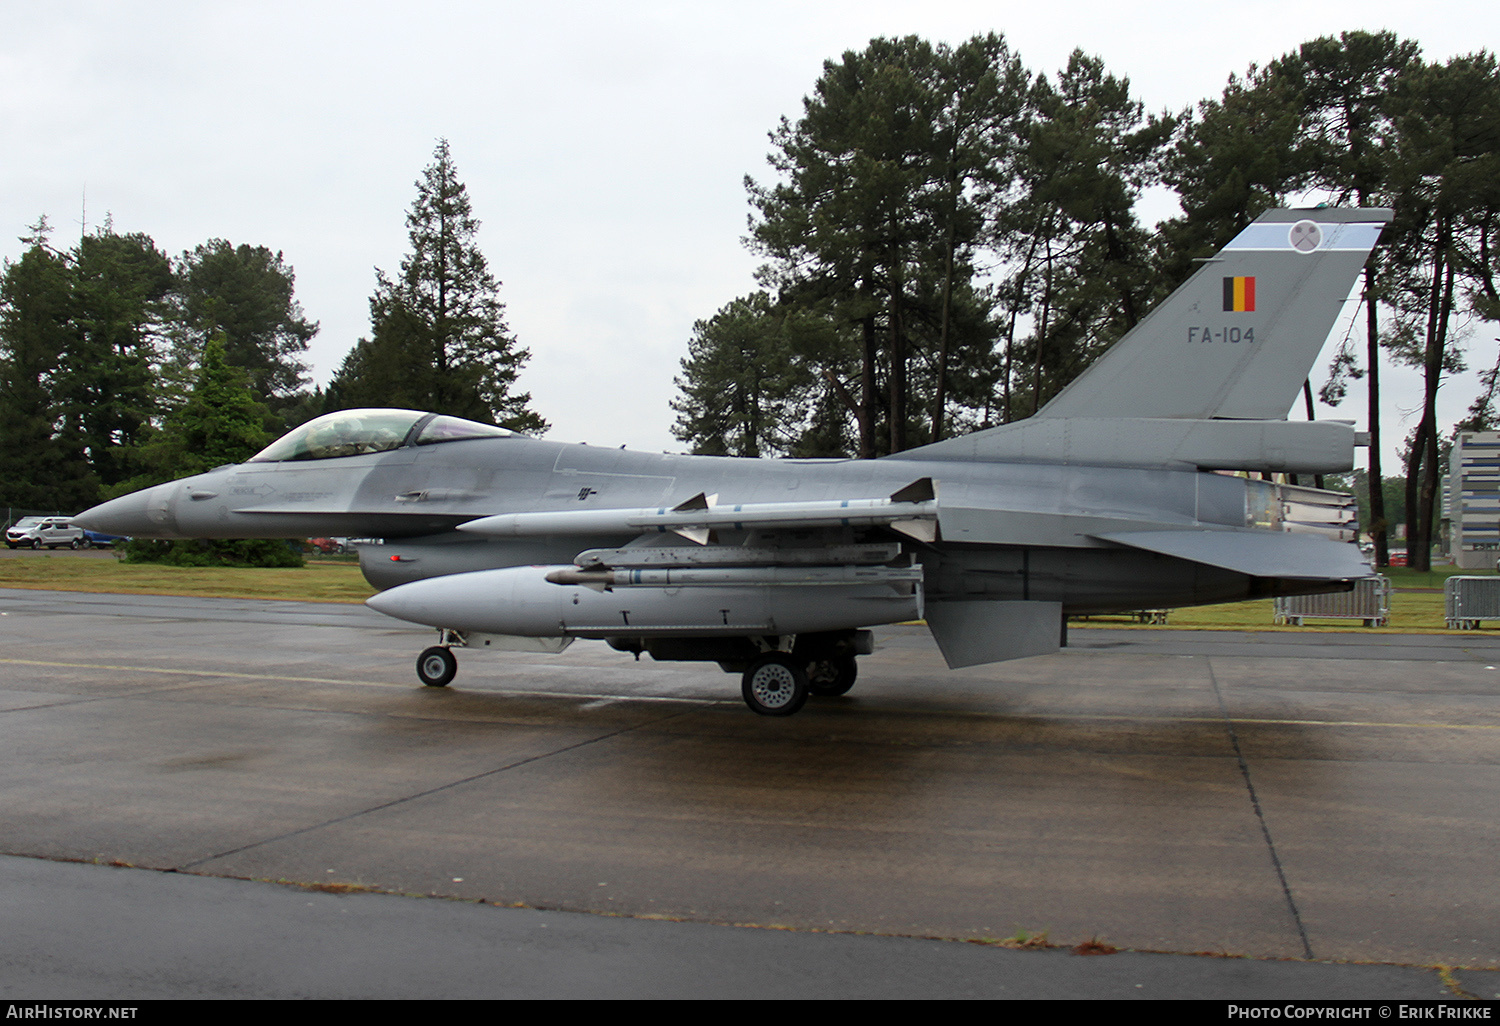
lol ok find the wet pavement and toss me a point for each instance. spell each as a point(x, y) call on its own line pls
point(1292, 801)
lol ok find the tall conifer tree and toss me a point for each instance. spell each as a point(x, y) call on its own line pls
point(246, 294)
point(38, 470)
point(438, 337)
point(107, 389)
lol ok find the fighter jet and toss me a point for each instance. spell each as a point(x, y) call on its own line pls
point(1149, 482)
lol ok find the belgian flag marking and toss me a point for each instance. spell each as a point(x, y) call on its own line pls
point(1239, 295)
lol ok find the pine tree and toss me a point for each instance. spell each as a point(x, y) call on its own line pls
point(1347, 87)
point(745, 385)
point(107, 387)
point(1446, 196)
point(245, 293)
point(1085, 276)
point(438, 336)
point(38, 469)
point(876, 216)
point(220, 423)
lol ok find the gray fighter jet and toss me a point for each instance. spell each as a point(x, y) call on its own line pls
point(1121, 494)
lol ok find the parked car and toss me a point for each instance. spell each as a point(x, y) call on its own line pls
point(334, 546)
point(95, 540)
point(53, 532)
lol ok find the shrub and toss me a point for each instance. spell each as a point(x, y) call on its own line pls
point(264, 552)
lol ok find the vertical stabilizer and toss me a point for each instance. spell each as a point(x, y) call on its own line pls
point(1239, 337)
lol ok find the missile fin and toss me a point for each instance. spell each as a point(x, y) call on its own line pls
point(923, 489)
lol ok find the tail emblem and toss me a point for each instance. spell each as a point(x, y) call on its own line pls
point(1305, 236)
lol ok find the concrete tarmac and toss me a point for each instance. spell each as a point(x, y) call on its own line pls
point(1286, 800)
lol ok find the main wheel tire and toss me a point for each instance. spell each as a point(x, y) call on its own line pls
point(831, 675)
point(437, 666)
point(774, 685)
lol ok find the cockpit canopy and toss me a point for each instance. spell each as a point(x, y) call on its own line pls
point(357, 432)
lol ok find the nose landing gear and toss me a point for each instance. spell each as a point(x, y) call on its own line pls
point(437, 666)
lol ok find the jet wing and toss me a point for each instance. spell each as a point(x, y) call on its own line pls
point(1256, 553)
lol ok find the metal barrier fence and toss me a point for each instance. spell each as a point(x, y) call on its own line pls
point(1468, 600)
point(1370, 601)
point(15, 513)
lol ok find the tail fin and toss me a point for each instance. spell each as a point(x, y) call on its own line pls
point(1239, 337)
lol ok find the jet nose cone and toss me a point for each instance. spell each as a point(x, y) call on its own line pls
point(404, 602)
point(143, 514)
point(382, 602)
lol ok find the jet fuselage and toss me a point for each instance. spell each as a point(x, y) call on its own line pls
point(1023, 531)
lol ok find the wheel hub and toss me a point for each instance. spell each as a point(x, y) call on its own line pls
point(774, 686)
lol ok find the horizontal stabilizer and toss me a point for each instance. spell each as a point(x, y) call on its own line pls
point(1256, 553)
point(978, 632)
point(1278, 446)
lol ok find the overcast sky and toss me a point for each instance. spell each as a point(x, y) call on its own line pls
point(604, 145)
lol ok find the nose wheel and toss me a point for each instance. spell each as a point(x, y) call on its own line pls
point(437, 666)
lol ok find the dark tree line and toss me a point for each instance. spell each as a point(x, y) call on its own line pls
point(102, 344)
point(955, 237)
point(121, 367)
point(965, 231)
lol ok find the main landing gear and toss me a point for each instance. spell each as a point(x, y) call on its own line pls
point(775, 685)
point(773, 682)
point(778, 684)
point(829, 676)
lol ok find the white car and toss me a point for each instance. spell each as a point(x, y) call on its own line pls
point(52, 532)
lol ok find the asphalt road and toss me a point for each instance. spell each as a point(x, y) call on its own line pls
point(1299, 802)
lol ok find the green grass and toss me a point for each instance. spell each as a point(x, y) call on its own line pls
point(316, 582)
point(1416, 607)
point(1402, 577)
point(1410, 611)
